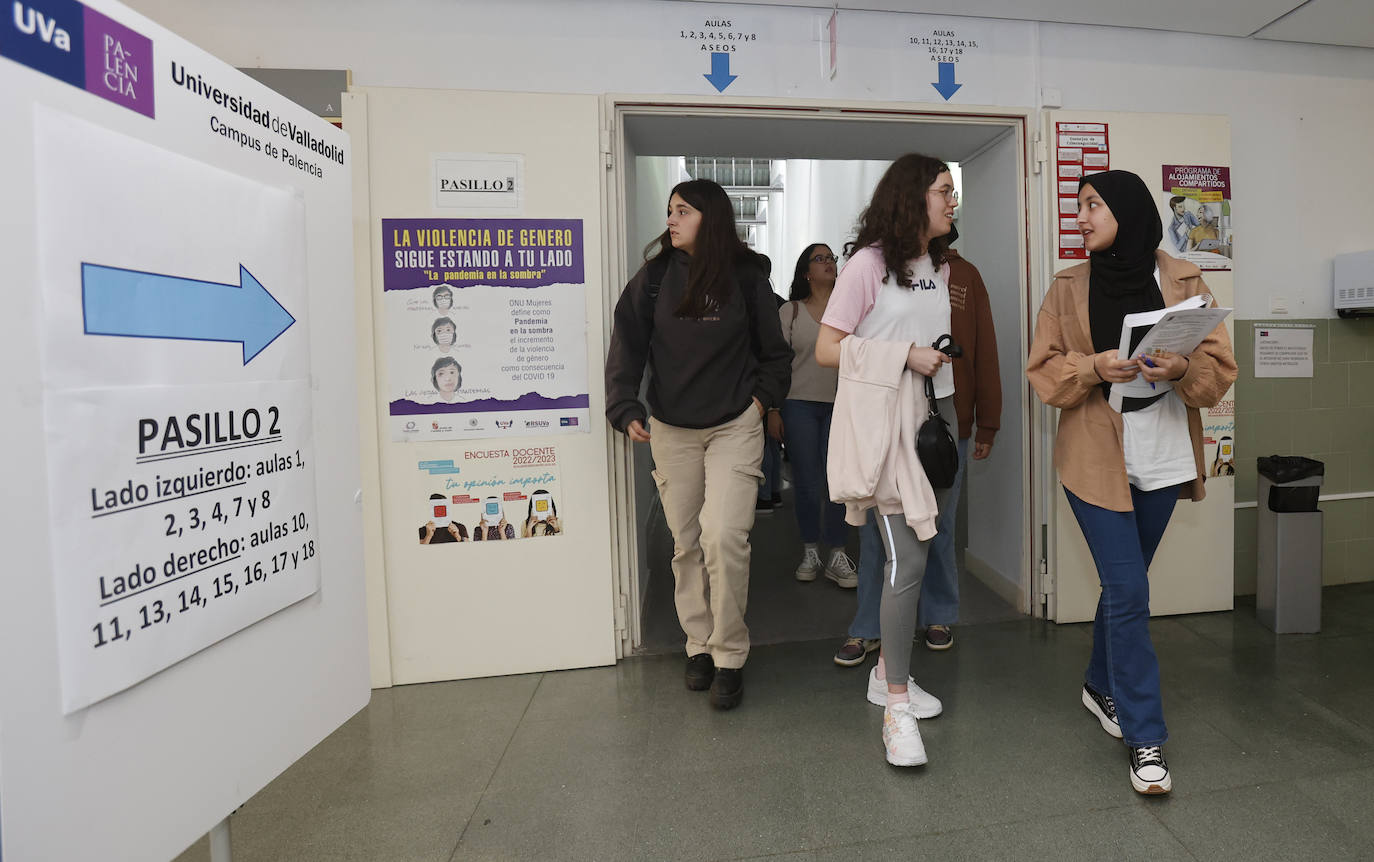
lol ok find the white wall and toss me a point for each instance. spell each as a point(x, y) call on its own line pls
point(1300, 114)
point(990, 226)
point(821, 202)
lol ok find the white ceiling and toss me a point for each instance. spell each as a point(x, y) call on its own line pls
point(1323, 22)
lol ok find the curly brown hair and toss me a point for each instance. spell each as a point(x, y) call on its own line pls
point(896, 218)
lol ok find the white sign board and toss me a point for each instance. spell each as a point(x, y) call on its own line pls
point(1283, 350)
point(183, 457)
point(186, 613)
point(484, 182)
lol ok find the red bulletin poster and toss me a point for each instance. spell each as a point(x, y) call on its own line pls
point(1080, 149)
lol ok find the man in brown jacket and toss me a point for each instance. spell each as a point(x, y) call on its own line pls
point(978, 403)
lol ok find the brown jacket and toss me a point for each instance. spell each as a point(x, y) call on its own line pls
point(1088, 451)
point(977, 379)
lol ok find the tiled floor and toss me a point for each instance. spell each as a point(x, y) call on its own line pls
point(1272, 751)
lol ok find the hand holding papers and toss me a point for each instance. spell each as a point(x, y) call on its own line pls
point(1177, 329)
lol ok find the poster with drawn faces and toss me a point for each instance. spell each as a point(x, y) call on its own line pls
point(496, 494)
point(486, 325)
point(1196, 211)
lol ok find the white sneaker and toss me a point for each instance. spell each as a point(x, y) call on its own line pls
point(1149, 772)
point(840, 569)
point(925, 704)
point(901, 737)
point(810, 564)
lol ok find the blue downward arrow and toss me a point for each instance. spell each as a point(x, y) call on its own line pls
point(946, 87)
point(133, 304)
point(720, 76)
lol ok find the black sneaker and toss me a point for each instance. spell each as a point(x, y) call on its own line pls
point(1104, 708)
point(700, 669)
point(1149, 772)
point(727, 689)
point(763, 507)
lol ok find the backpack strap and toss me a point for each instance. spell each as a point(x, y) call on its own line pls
point(658, 268)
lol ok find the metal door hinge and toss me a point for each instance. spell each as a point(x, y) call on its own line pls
point(621, 615)
point(606, 149)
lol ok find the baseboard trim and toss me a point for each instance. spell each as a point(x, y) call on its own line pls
point(1012, 594)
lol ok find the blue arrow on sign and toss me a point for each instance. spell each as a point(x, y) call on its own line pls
point(720, 76)
point(134, 304)
point(946, 87)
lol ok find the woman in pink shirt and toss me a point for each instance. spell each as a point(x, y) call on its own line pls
point(895, 289)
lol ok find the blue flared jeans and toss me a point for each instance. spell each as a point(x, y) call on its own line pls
point(1123, 663)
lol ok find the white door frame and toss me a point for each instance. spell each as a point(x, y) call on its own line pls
point(1035, 274)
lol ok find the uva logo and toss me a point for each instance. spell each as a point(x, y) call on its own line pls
point(120, 74)
point(31, 21)
point(504, 424)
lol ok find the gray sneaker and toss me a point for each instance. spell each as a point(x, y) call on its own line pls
point(840, 569)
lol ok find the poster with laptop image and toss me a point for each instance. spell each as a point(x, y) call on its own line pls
point(1197, 214)
point(490, 494)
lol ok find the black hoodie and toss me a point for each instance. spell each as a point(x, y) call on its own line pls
point(705, 371)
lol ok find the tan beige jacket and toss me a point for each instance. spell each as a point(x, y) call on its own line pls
point(1088, 451)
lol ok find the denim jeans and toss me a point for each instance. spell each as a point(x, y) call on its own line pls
point(771, 486)
point(807, 428)
point(1123, 663)
point(939, 603)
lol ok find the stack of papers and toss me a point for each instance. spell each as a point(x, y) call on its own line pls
point(1177, 329)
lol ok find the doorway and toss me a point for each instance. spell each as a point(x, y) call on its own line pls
point(650, 143)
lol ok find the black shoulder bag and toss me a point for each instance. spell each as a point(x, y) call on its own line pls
point(935, 446)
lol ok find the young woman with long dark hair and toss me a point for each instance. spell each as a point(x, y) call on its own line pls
point(891, 304)
point(803, 420)
point(1124, 471)
point(700, 314)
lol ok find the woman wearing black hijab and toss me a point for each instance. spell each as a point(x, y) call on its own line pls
point(1123, 472)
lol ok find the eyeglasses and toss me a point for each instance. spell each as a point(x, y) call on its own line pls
point(824, 258)
point(949, 195)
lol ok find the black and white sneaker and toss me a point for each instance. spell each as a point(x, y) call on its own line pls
point(1149, 772)
point(1104, 708)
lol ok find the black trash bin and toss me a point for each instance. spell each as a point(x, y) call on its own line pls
point(1288, 596)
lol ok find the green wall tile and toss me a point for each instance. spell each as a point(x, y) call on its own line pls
point(1352, 429)
point(1343, 520)
point(1361, 382)
point(1245, 551)
point(1331, 385)
point(1351, 340)
point(1268, 433)
point(1333, 564)
point(1362, 476)
point(1245, 475)
point(1321, 342)
point(1359, 560)
point(1337, 477)
point(1255, 396)
point(1291, 393)
point(1315, 430)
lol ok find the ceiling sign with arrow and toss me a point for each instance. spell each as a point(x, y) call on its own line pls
point(946, 49)
point(723, 39)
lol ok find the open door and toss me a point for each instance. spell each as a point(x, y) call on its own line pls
point(1193, 570)
point(465, 609)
